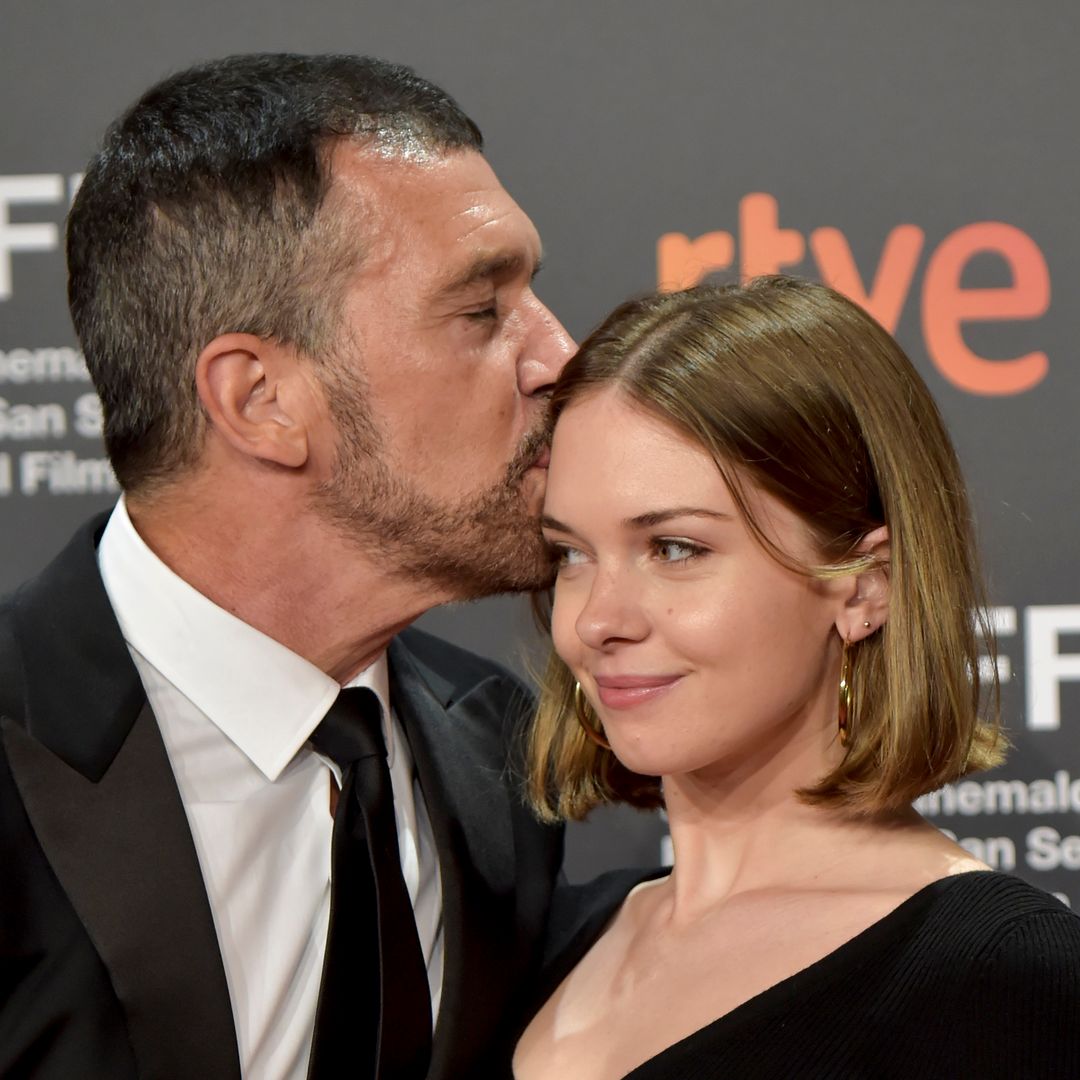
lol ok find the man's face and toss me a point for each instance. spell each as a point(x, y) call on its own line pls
point(445, 355)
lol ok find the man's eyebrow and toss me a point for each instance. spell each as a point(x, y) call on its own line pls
point(489, 268)
point(647, 520)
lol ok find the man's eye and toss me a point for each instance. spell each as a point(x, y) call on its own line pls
point(484, 314)
point(672, 550)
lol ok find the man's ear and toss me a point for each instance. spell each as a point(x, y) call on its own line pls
point(255, 397)
point(866, 599)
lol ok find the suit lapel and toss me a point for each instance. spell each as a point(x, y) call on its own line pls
point(451, 744)
point(122, 852)
point(94, 776)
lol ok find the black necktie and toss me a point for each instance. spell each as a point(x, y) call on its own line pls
point(374, 1014)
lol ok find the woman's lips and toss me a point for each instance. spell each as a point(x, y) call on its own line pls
point(627, 691)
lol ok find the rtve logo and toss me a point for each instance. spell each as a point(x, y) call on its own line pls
point(766, 248)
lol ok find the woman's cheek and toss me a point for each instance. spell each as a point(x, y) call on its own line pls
point(564, 614)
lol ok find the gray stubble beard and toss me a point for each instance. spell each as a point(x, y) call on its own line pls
point(487, 544)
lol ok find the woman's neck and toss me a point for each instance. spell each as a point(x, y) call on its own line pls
point(743, 828)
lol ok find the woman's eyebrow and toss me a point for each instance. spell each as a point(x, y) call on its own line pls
point(548, 522)
point(658, 517)
point(648, 520)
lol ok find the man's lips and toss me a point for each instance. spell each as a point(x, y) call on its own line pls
point(626, 691)
point(542, 459)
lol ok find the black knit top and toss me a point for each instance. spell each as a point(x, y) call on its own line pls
point(976, 975)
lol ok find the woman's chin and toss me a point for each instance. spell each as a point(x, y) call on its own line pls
point(647, 761)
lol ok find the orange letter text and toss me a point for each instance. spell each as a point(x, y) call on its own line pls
point(946, 305)
point(763, 246)
point(682, 262)
point(886, 297)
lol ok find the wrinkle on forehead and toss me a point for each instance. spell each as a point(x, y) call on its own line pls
point(496, 231)
point(406, 200)
point(480, 207)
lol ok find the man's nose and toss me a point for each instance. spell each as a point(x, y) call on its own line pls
point(546, 349)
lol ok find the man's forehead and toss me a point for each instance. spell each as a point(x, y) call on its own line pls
point(457, 181)
point(453, 200)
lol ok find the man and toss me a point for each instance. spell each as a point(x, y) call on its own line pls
point(306, 304)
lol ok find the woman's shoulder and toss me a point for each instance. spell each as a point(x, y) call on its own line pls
point(978, 920)
point(1017, 934)
point(586, 908)
point(1000, 963)
point(581, 912)
point(992, 908)
point(1001, 949)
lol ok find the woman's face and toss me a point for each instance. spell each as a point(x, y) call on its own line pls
point(696, 647)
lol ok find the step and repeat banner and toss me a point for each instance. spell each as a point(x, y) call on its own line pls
point(922, 157)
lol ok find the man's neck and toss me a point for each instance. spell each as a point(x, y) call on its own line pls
point(286, 573)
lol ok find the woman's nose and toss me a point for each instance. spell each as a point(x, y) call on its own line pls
point(613, 611)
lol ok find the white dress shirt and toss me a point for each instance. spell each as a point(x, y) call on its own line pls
point(235, 710)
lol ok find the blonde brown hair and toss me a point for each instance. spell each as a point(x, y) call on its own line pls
point(795, 390)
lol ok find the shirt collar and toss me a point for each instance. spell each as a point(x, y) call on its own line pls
point(263, 697)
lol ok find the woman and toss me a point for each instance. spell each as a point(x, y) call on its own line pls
point(763, 622)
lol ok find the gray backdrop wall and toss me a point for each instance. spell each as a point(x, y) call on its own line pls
point(922, 156)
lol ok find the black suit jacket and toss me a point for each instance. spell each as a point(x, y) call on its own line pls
point(109, 962)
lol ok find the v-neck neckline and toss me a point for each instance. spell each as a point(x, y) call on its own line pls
point(791, 986)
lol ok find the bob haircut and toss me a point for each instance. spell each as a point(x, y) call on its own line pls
point(794, 390)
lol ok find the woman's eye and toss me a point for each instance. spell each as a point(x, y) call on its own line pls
point(670, 550)
point(566, 556)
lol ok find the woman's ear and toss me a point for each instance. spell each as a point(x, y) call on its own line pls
point(254, 397)
point(866, 603)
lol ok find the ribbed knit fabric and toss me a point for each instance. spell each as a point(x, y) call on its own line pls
point(977, 975)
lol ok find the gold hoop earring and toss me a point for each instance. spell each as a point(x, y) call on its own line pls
point(847, 697)
point(580, 707)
